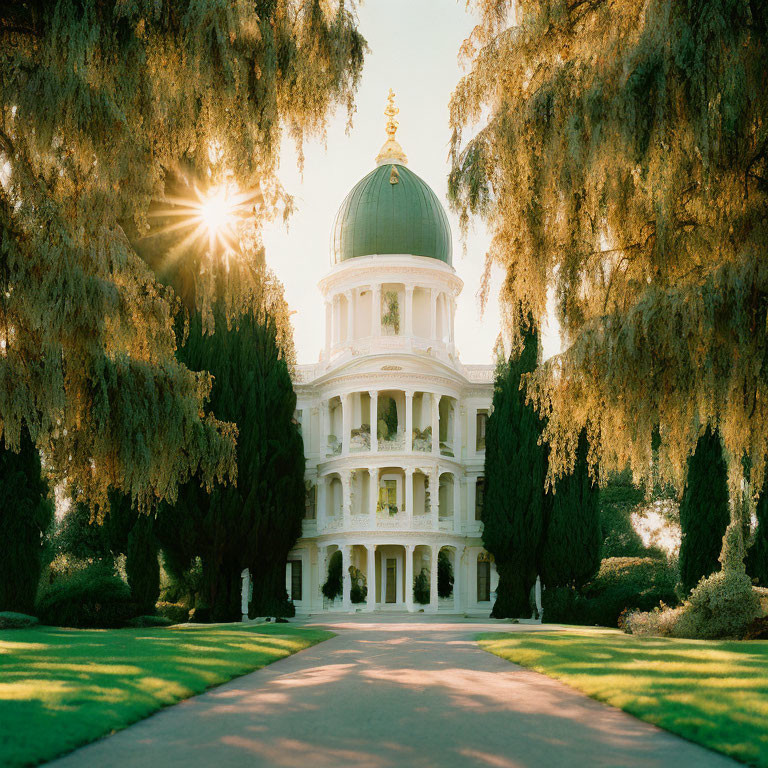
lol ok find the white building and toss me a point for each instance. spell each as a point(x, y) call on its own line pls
point(393, 424)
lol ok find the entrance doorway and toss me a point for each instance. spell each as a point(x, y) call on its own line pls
point(391, 591)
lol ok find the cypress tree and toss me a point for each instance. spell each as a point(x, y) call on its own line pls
point(704, 510)
point(757, 556)
point(515, 468)
point(142, 566)
point(26, 514)
point(572, 543)
point(255, 523)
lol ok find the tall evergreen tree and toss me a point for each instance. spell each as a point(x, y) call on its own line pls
point(142, 564)
point(255, 523)
point(26, 513)
point(757, 556)
point(515, 469)
point(572, 542)
point(704, 510)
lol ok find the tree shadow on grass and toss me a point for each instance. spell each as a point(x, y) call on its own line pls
point(62, 688)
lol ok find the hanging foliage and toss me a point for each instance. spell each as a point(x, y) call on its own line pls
point(103, 107)
point(619, 153)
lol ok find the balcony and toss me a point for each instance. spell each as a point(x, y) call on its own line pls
point(394, 443)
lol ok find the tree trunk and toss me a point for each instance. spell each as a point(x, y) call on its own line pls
point(512, 594)
point(269, 595)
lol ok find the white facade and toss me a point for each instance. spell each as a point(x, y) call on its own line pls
point(382, 490)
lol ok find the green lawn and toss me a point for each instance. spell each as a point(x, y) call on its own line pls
point(713, 693)
point(60, 688)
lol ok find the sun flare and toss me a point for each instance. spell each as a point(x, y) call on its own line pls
point(217, 211)
point(211, 217)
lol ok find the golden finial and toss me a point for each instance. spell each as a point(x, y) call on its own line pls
point(391, 112)
point(391, 152)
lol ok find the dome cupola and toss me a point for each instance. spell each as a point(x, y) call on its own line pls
point(391, 210)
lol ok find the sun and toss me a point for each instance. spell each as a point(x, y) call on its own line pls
point(217, 211)
point(214, 215)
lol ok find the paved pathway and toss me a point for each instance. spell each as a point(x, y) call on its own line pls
point(411, 692)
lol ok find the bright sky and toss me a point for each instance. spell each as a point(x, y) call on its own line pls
point(414, 46)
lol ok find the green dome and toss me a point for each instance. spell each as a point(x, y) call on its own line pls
point(391, 210)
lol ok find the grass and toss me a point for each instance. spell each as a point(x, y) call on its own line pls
point(61, 688)
point(714, 693)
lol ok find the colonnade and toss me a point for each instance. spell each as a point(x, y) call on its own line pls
point(344, 321)
point(429, 517)
point(371, 575)
point(407, 443)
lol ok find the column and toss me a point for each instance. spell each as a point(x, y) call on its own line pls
point(457, 578)
point(456, 504)
point(409, 421)
point(435, 424)
point(346, 561)
point(456, 430)
point(471, 498)
point(328, 328)
point(346, 421)
point(409, 498)
point(432, 313)
point(374, 419)
point(350, 316)
point(326, 427)
point(346, 503)
point(322, 502)
point(322, 564)
point(376, 310)
point(373, 473)
point(434, 499)
point(432, 607)
point(409, 310)
point(336, 320)
point(371, 568)
point(409, 577)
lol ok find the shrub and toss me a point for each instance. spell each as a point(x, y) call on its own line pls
point(150, 621)
point(660, 622)
point(176, 613)
point(358, 593)
point(623, 584)
point(333, 584)
point(444, 575)
point(13, 620)
point(721, 605)
point(92, 597)
point(421, 587)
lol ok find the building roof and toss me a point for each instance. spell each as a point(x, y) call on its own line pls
point(391, 210)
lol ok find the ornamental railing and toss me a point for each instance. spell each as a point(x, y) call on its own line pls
point(396, 443)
